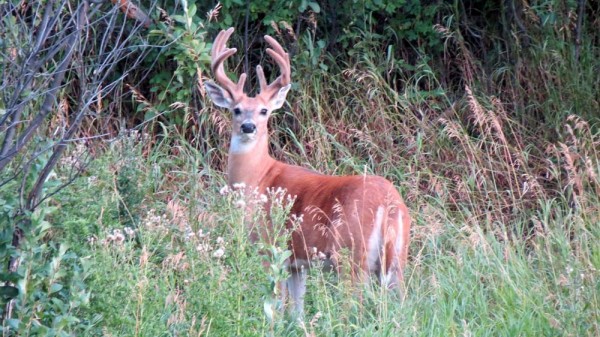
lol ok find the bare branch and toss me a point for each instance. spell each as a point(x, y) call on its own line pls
point(108, 58)
point(27, 74)
point(32, 199)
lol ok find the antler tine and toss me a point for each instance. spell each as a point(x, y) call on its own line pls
point(219, 54)
point(282, 59)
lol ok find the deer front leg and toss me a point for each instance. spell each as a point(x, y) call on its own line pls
point(296, 286)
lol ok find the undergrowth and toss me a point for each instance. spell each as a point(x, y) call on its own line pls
point(497, 162)
point(505, 240)
point(188, 268)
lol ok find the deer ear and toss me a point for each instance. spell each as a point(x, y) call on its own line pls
point(279, 98)
point(219, 96)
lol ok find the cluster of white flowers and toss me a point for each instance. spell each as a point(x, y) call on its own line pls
point(239, 186)
point(297, 219)
point(219, 252)
point(224, 190)
point(75, 158)
point(130, 137)
point(155, 222)
point(240, 203)
point(143, 137)
point(130, 232)
point(243, 196)
point(92, 180)
point(114, 237)
point(124, 144)
point(205, 247)
point(189, 234)
point(316, 255)
point(279, 197)
point(91, 240)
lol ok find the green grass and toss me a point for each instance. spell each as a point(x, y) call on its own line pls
point(468, 275)
point(501, 176)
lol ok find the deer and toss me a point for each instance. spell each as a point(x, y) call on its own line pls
point(363, 214)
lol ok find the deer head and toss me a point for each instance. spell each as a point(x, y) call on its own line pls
point(250, 114)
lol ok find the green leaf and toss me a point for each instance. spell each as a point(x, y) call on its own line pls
point(10, 277)
point(315, 7)
point(55, 287)
point(303, 5)
point(228, 20)
point(192, 10)
point(179, 18)
point(8, 292)
point(149, 115)
point(13, 323)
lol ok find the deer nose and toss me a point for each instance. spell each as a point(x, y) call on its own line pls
point(248, 127)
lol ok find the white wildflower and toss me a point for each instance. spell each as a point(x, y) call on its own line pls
point(290, 198)
point(239, 186)
point(297, 219)
point(119, 237)
point(92, 180)
point(219, 253)
point(202, 235)
point(129, 231)
point(240, 203)
point(224, 190)
point(203, 248)
point(313, 253)
point(322, 256)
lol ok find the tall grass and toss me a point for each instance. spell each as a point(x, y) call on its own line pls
point(506, 237)
point(505, 240)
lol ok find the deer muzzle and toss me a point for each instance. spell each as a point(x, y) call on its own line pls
point(248, 128)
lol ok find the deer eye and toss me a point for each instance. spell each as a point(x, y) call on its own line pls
point(237, 111)
point(263, 112)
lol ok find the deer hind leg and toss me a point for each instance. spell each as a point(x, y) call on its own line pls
point(296, 288)
point(392, 271)
point(374, 258)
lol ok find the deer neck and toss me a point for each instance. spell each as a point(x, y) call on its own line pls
point(249, 163)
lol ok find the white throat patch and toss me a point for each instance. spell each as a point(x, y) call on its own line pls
point(242, 144)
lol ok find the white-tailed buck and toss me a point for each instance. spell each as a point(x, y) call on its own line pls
point(363, 214)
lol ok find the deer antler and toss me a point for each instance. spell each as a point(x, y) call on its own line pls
point(283, 61)
point(219, 54)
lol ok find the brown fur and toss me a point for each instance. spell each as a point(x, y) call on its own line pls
point(338, 212)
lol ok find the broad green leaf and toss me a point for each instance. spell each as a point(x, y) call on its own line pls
point(55, 287)
point(314, 6)
point(8, 292)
